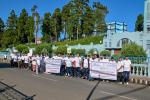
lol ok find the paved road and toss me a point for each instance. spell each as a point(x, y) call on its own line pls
point(52, 87)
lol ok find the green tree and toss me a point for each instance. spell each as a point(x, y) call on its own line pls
point(57, 23)
point(1, 30)
point(45, 48)
point(22, 27)
point(105, 53)
point(139, 23)
point(99, 13)
point(133, 50)
point(47, 28)
point(36, 17)
point(22, 48)
point(30, 29)
point(10, 35)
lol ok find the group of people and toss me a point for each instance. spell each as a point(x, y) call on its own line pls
point(73, 66)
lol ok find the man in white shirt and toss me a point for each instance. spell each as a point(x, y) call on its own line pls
point(86, 68)
point(120, 71)
point(68, 62)
point(77, 61)
point(127, 69)
point(26, 61)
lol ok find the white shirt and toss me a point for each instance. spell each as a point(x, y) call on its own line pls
point(119, 65)
point(38, 60)
point(77, 61)
point(68, 62)
point(26, 59)
point(85, 63)
point(127, 65)
point(104, 60)
point(15, 58)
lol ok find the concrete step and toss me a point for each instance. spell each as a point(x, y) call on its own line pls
point(140, 80)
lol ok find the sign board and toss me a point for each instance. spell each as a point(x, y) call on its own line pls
point(103, 70)
point(53, 65)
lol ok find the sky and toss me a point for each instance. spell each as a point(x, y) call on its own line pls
point(119, 10)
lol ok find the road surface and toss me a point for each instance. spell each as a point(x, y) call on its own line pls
point(52, 87)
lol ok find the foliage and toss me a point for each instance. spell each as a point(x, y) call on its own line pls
point(93, 51)
point(1, 30)
point(105, 53)
point(78, 51)
point(22, 48)
point(133, 50)
point(44, 48)
point(61, 50)
point(84, 41)
point(139, 23)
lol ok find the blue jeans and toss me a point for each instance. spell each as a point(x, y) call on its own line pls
point(86, 73)
point(126, 75)
point(78, 72)
point(69, 71)
point(62, 70)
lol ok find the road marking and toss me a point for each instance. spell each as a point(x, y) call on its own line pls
point(118, 95)
point(44, 78)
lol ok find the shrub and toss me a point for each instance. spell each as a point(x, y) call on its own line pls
point(78, 51)
point(61, 50)
point(92, 51)
point(84, 41)
point(22, 48)
point(45, 48)
point(105, 53)
point(133, 50)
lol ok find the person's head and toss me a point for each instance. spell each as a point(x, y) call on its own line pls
point(120, 58)
point(112, 58)
point(126, 58)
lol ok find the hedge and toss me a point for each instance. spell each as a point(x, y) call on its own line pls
point(84, 41)
point(22, 48)
point(78, 51)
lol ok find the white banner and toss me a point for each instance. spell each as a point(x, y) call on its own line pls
point(103, 70)
point(53, 65)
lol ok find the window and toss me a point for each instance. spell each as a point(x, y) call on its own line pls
point(105, 44)
point(148, 28)
point(109, 44)
point(118, 44)
point(148, 44)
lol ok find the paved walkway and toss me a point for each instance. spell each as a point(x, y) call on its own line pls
point(52, 87)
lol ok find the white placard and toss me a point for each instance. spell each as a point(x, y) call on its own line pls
point(103, 70)
point(53, 65)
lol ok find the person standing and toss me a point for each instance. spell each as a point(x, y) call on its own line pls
point(26, 62)
point(77, 61)
point(86, 68)
point(68, 62)
point(120, 71)
point(127, 70)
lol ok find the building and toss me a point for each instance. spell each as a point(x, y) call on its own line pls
point(114, 40)
point(116, 27)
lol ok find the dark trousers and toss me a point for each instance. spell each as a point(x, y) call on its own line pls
point(15, 64)
point(126, 76)
point(69, 71)
point(86, 73)
point(120, 77)
point(62, 70)
point(77, 72)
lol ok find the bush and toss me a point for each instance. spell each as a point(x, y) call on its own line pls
point(22, 48)
point(133, 50)
point(45, 48)
point(92, 51)
point(61, 50)
point(78, 51)
point(84, 41)
point(105, 53)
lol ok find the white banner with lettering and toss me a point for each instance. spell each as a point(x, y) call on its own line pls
point(103, 70)
point(53, 65)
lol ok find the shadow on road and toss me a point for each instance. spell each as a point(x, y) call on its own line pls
point(92, 91)
point(9, 93)
point(5, 65)
point(121, 94)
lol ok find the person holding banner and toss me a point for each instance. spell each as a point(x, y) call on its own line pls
point(127, 69)
point(120, 71)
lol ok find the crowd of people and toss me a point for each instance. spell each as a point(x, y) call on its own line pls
point(72, 66)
